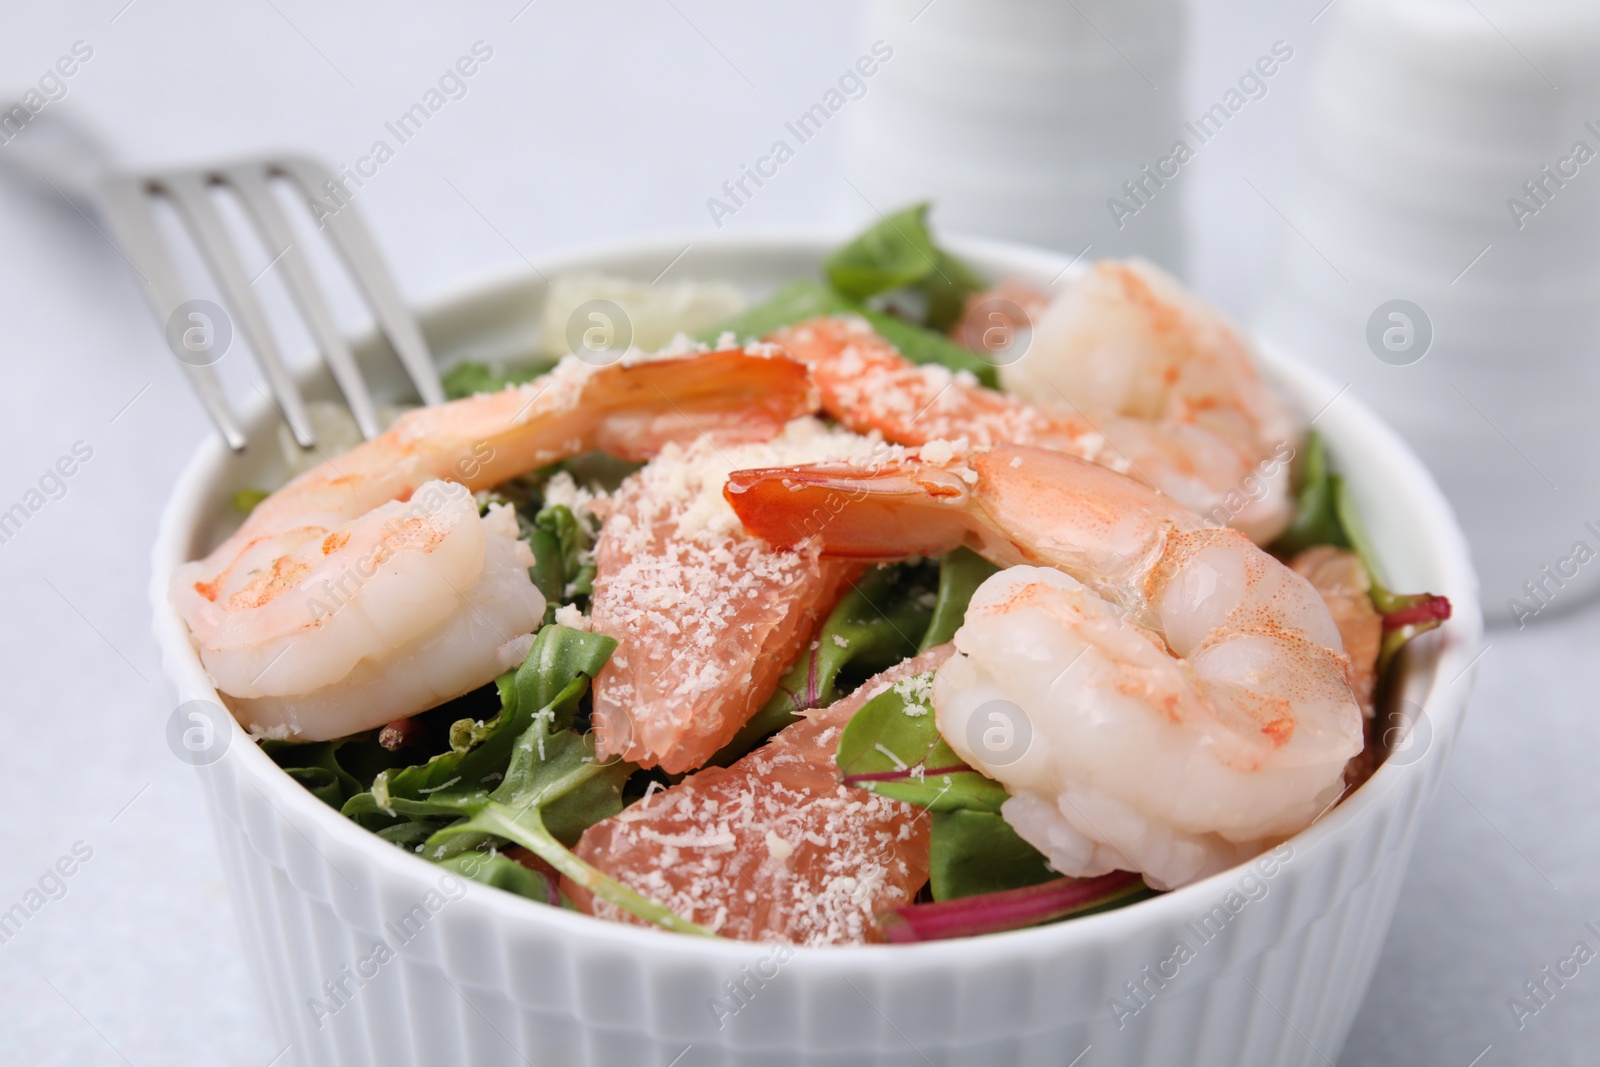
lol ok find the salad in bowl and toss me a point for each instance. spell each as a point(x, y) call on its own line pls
point(906, 605)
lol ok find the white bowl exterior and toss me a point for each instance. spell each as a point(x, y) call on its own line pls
point(491, 978)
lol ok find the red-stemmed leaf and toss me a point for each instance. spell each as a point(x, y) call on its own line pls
point(1011, 909)
point(1423, 610)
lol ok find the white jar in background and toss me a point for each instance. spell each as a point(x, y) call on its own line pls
point(1028, 120)
point(1445, 263)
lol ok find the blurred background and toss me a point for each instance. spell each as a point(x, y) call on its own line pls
point(1400, 193)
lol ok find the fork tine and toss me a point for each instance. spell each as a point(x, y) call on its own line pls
point(125, 202)
point(366, 265)
point(254, 189)
point(190, 194)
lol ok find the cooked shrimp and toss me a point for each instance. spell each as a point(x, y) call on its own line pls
point(870, 387)
point(867, 385)
point(706, 616)
point(773, 848)
point(1185, 693)
point(369, 589)
point(1127, 339)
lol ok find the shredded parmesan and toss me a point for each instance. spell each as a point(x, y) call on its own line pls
point(569, 615)
point(779, 849)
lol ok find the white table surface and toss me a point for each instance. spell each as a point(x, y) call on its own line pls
point(592, 121)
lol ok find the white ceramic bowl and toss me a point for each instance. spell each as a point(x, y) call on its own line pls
point(474, 975)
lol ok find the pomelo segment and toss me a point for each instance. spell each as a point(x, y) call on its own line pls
point(706, 616)
point(773, 848)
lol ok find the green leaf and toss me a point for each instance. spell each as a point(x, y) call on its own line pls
point(504, 873)
point(315, 765)
point(894, 252)
point(1405, 615)
point(561, 569)
point(334, 770)
point(548, 571)
point(947, 287)
point(1355, 534)
point(469, 379)
point(320, 783)
point(548, 785)
point(409, 834)
point(453, 782)
point(974, 852)
point(873, 627)
point(466, 734)
point(960, 574)
point(546, 772)
point(597, 470)
point(553, 767)
point(560, 654)
point(589, 794)
point(893, 753)
point(1316, 514)
point(898, 253)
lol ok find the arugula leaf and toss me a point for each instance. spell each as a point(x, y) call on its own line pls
point(873, 627)
point(1405, 615)
point(895, 753)
point(899, 254)
point(468, 379)
point(320, 782)
point(334, 770)
point(409, 834)
point(551, 789)
point(558, 655)
point(593, 792)
point(1316, 514)
point(960, 573)
point(504, 873)
point(548, 774)
point(560, 570)
point(947, 287)
point(973, 852)
point(892, 253)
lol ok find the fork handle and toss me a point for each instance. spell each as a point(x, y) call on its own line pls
point(58, 151)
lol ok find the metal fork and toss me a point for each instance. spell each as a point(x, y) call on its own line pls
point(74, 164)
